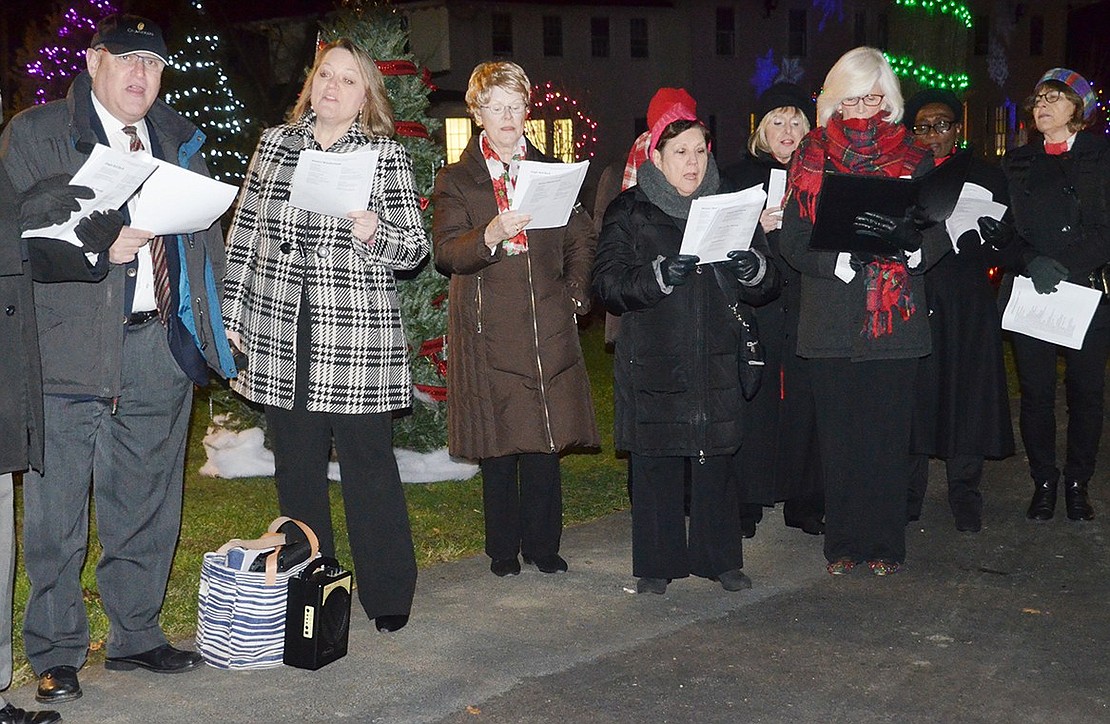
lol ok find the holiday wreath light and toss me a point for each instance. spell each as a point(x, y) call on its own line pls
point(550, 102)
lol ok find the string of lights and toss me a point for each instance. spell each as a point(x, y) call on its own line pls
point(552, 102)
point(958, 10)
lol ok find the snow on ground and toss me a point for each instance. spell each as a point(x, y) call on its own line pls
point(243, 455)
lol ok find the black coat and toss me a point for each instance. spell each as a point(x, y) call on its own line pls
point(963, 406)
point(676, 386)
point(1061, 204)
point(20, 364)
point(771, 464)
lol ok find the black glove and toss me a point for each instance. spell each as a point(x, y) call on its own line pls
point(675, 269)
point(1046, 273)
point(99, 230)
point(901, 233)
point(997, 234)
point(50, 201)
point(745, 264)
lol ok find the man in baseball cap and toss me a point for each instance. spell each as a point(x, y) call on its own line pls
point(122, 34)
point(120, 357)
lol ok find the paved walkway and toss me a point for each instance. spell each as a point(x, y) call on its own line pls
point(1011, 624)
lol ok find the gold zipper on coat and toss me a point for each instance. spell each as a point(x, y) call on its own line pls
point(539, 362)
point(478, 301)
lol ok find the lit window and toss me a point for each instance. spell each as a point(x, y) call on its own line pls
point(536, 131)
point(562, 140)
point(457, 132)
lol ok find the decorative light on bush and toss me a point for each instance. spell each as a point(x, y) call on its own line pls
point(66, 60)
point(926, 75)
point(957, 10)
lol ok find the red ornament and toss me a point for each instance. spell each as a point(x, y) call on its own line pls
point(412, 129)
point(436, 392)
point(424, 201)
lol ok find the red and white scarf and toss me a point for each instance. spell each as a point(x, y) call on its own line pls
point(503, 176)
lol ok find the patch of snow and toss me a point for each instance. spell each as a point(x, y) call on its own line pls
point(244, 455)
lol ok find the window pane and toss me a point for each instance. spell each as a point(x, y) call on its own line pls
point(457, 134)
point(536, 131)
point(552, 35)
point(562, 139)
point(638, 37)
point(726, 31)
point(501, 33)
point(599, 37)
point(981, 32)
point(1036, 35)
point(797, 38)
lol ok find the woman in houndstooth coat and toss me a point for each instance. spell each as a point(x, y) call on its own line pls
point(311, 300)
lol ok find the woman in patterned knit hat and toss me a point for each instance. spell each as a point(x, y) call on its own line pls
point(1060, 190)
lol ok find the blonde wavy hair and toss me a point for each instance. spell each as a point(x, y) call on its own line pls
point(376, 114)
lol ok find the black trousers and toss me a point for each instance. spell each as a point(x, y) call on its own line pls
point(864, 414)
point(373, 498)
point(964, 473)
point(1084, 382)
point(660, 546)
point(522, 496)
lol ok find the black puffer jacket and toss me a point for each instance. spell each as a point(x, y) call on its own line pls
point(1062, 203)
point(676, 387)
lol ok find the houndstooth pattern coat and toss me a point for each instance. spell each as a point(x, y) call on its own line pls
point(359, 362)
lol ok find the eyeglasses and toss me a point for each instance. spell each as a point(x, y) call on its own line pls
point(1049, 96)
point(922, 129)
point(871, 100)
point(517, 109)
point(134, 59)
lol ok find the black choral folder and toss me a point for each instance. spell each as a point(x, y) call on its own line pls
point(845, 196)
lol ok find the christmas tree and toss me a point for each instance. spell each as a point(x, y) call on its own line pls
point(380, 30)
point(199, 89)
point(54, 51)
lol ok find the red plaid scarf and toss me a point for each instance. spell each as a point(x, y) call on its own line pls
point(503, 176)
point(870, 147)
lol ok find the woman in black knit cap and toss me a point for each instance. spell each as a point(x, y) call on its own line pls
point(779, 459)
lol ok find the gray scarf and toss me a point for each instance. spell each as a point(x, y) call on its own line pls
point(661, 193)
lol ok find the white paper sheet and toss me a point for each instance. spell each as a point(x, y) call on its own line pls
point(333, 184)
point(548, 191)
point(175, 200)
point(974, 201)
point(721, 223)
point(1061, 317)
point(776, 188)
point(113, 176)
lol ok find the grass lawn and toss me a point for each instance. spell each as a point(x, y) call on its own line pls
point(446, 517)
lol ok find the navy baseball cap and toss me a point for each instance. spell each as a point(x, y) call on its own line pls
point(121, 34)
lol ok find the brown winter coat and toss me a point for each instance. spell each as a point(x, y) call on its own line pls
point(516, 379)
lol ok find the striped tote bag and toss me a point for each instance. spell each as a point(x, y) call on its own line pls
point(241, 614)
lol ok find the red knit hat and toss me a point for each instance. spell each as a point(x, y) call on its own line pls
point(667, 106)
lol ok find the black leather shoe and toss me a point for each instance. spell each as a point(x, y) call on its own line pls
point(504, 566)
point(652, 585)
point(164, 659)
point(11, 715)
point(553, 563)
point(391, 623)
point(58, 684)
point(1043, 504)
point(734, 580)
point(1075, 498)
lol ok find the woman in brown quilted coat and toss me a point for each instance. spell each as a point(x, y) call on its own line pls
point(518, 394)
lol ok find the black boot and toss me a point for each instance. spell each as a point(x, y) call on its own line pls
point(1075, 497)
point(1043, 504)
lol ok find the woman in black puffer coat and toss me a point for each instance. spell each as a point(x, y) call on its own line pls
point(677, 393)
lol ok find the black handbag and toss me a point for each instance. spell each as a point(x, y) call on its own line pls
point(750, 358)
point(1100, 279)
